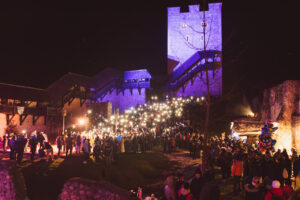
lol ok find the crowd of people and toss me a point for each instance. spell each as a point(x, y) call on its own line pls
point(267, 175)
point(102, 147)
point(261, 176)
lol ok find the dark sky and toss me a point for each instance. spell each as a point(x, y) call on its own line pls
point(40, 42)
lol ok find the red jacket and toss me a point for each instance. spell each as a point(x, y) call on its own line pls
point(275, 192)
point(237, 168)
point(288, 191)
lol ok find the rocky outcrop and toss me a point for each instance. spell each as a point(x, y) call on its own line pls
point(12, 185)
point(281, 104)
point(79, 188)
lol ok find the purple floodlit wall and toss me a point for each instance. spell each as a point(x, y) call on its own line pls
point(185, 38)
point(126, 100)
point(197, 87)
point(185, 35)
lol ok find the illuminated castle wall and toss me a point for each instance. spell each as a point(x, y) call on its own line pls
point(185, 38)
point(125, 100)
point(130, 92)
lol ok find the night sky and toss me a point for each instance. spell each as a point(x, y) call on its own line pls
point(40, 42)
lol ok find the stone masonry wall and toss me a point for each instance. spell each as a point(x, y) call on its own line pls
point(79, 189)
point(12, 185)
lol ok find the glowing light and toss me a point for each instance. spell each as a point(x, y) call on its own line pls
point(89, 111)
point(250, 114)
point(231, 125)
point(235, 135)
point(81, 121)
point(73, 126)
point(23, 131)
point(275, 124)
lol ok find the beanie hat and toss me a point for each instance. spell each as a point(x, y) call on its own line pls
point(275, 184)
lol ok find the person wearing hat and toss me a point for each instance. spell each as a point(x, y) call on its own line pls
point(185, 192)
point(275, 192)
point(254, 190)
point(197, 183)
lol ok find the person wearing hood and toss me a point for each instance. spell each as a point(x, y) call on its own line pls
point(275, 192)
point(185, 192)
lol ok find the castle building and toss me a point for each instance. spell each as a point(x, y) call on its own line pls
point(109, 91)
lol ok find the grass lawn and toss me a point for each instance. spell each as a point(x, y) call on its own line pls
point(45, 180)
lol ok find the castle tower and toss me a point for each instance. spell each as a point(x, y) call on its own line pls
point(185, 50)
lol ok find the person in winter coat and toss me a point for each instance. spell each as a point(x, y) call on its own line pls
point(185, 192)
point(170, 192)
point(12, 146)
point(20, 145)
point(298, 182)
point(86, 150)
point(40, 139)
point(180, 181)
point(197, 184)
point(78, 144)
point(69, 145)
point(237, 172)
point(288, 190)
point(33, 145)
point(59, 143)
point(275, 192)
point(5, 137)
point(222, 164)
point(287, 166)
point(97, 152)
point(210, 191)
point(254, 190)
point(49, 150)
point(296, 166)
